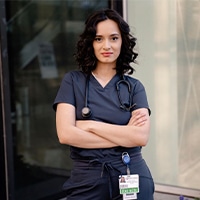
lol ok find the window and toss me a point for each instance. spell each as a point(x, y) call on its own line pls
point(41, 43)
point(168, 35)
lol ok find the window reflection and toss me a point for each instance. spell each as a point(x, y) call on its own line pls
point(41, 39)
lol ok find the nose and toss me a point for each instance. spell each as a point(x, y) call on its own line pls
point(106, 45)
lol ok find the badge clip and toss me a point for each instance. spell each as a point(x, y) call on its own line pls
point(126, 160)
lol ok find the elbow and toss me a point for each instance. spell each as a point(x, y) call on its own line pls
point(63, 138)
point(144, 141)
point(66, 136)
point(141, 140)
point(143, 136)
point(138, 143)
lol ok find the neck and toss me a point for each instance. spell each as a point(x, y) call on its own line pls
point(103, 76)
point(104, 71)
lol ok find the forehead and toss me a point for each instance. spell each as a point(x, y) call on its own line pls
point(107, 27)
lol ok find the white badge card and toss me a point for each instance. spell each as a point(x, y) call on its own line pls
point(129, 184)
point(130, 196)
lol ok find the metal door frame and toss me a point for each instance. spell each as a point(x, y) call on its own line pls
point(6, 145)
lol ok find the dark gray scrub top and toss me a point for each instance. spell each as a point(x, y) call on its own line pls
point(104, 104)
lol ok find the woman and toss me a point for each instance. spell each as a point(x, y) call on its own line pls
point(103, 114)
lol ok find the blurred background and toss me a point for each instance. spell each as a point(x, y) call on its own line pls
point(38, 40)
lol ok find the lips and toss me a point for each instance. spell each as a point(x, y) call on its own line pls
point(106, 54)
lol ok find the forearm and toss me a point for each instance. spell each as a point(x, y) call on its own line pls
point(83, 139)
point(135, 133)
point(127, 136)
point(69, 133)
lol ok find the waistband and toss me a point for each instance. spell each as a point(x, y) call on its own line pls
point(114, 160)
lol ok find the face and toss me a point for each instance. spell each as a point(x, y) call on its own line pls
point(107, 43)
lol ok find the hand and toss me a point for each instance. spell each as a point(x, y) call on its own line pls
point(138, 118)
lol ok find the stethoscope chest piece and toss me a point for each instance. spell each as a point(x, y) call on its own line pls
point(86, 112)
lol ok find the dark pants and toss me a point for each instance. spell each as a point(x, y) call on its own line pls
point(98, 179)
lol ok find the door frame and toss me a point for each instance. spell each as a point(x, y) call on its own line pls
point(6, 145)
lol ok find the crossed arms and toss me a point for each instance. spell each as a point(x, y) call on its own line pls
point(93, 134)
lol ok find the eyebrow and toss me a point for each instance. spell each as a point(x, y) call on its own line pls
point(114, 34)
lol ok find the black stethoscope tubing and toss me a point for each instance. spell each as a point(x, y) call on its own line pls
point(86, 111)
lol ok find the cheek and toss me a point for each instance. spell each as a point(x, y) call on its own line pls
point(95, 47)
point(119, 49)
point(95, 53)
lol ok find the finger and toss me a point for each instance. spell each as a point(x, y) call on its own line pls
point(135, 116)
point(140, 122)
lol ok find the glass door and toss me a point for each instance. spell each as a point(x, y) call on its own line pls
point(41, 41)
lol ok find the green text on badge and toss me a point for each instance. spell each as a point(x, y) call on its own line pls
point(129, 190)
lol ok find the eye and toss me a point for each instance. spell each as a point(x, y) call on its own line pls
point(115, 38)
point(98, 39)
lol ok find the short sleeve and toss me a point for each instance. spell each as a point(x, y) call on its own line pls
point(66, 91)
point(139, 97)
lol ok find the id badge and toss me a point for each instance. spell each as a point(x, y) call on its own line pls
point(129, 186)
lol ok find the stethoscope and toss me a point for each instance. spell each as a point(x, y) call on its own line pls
point(86, 111)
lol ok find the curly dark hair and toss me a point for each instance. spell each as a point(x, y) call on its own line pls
point(84, 49)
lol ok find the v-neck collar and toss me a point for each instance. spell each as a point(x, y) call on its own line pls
point(112, 81)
